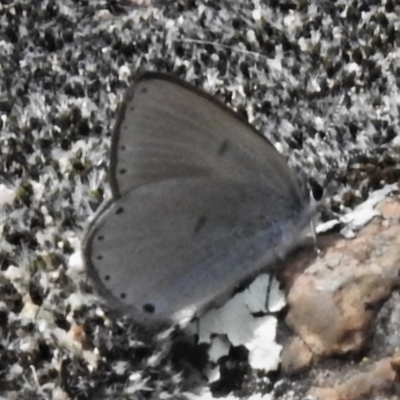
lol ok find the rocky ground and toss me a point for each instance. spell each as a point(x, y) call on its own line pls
point(319, 78)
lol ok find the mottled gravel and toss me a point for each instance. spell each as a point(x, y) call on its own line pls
point(321, 80)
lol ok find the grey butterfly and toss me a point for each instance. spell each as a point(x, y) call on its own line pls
point(200, 202)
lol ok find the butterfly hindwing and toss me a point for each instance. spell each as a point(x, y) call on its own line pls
point(162, 247)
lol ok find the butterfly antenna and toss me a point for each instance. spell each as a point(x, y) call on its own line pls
point(329, 130)
point(223, 46)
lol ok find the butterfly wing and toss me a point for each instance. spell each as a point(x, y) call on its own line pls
point(167, 129)
point(200, 201)
point(164, 250)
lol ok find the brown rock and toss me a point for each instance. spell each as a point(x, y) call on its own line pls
point(378, 380)
point(390, 209)
point(296, 356)
point(332, 304)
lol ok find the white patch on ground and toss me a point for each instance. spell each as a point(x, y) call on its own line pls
point(213, 374)
point(365, 212)
point(137, 383)
point(219, 347)
point(206, 395)
point(235, 322)
point(360, 216)
point(13, 273)
point(29, 310)
point(7, 195)
point(76, 263)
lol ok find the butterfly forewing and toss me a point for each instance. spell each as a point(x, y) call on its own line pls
point(168, 129)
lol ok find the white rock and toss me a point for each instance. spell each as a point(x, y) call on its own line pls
point(7, 195)
point(76, 262)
